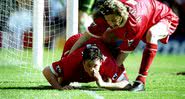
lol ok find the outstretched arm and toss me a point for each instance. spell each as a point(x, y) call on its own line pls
point(53, 80)
point(80, 41)
point(110, 85)
point(121, 58)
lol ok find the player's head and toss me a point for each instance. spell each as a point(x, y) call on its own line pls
point(92, 59)
point(115, 12)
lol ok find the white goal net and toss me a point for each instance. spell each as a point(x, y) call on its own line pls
point(17, 27)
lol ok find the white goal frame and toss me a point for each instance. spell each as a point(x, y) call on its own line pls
point(72, 18)
point(38, 26)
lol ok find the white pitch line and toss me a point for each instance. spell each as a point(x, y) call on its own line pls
point(94, 94)
point(91, 93)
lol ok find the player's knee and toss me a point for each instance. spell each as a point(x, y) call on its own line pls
point(45, 71)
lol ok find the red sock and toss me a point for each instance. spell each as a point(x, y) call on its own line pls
point(147, 59)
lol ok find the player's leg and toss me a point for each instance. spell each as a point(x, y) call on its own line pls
point(155, 33)
point(120, 59)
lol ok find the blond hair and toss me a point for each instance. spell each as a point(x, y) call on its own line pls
point(114, 7)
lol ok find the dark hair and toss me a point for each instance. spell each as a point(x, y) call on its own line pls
point(91, 52)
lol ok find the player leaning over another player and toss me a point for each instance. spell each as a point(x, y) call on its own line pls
point(124, 23)
point(91, 62)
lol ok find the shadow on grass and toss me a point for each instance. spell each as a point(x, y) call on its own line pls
point(89, 88)
point(181, 73)
point(28, 88)
point(84, 88)
point(94, 88)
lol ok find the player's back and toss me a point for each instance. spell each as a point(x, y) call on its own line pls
point(72, 64)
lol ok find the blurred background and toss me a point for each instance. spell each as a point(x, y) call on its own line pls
point(16, 20)
point(20, 77)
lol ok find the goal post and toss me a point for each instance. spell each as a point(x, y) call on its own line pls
point(72, 18)
point(38, 26)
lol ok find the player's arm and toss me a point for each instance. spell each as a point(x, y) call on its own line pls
point(53, 80)
point(110, 85)
point(80, 41)
point(96, 29)
point(121, 58)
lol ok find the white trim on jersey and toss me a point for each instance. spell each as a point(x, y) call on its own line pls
point(126, 51)
point(122, 76)
point(67, 52)
point(52, 70)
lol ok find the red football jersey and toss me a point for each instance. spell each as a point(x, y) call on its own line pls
point(142, 15)
point(70, 67)
point(69, 43)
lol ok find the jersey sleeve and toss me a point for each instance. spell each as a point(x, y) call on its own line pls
point(111, 70)
point(98, 27)
point(56, 68)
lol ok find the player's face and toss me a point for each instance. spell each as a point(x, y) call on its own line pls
point(113, 20)
point(92, 66)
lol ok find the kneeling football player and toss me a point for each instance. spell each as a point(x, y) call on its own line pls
point(91, 62)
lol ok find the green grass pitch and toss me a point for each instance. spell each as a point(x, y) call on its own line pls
point(18, 82)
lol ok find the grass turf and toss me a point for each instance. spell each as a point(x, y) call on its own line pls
point(162, 83)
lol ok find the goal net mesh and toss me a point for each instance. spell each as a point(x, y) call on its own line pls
point(16, 33)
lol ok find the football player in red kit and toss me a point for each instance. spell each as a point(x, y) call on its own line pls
point(91, 62)
point(124, 23)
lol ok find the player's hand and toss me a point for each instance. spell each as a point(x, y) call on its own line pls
point(123, 83)
point(67, 87)
point(96, 74)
